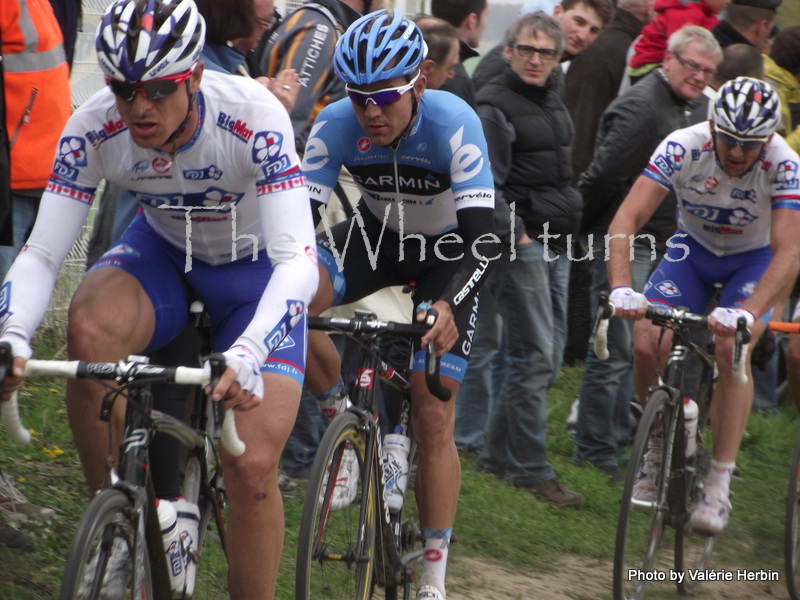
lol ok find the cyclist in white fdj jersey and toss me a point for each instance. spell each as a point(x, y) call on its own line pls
point(225, 219)
point(421, 164)
point(738, 196)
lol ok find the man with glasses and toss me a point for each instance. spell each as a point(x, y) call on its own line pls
point(419, 159)
point(738, 197)
point(581, 21)
point(628, 132)
point(224, 219)
point(529, 133)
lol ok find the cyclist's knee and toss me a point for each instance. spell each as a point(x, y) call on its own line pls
point(323, 298)
point(434, 421)
point(254, 475)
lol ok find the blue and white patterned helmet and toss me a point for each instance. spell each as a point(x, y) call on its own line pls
point(747, 107)
point(140, 40)
point(379, 46)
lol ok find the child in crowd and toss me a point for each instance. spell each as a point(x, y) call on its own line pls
point(671, 15)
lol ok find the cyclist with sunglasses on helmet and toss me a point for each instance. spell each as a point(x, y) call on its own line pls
point(419, 159)
point(738, 196)
point(224, 219)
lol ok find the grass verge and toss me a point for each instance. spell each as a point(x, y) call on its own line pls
point(495, 522)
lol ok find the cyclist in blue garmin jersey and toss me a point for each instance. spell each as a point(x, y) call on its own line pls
point(738, 195)
point(426, 216)
point(225, 218)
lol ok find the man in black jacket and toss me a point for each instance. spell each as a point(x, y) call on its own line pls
point(593, 79)
point(630, 129)
point(469, 18)
point(529, 132)
point(747, 22)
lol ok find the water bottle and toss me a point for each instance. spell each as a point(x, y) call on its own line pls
point(168, 521)
point(690, 412)
point(188, 530)
point(395, 467)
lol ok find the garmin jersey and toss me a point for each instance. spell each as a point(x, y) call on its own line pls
point(207, 199)
point(726, 215)
point(439, 167)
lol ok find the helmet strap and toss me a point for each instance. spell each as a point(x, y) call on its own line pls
point(414, 111)
point(184, 124)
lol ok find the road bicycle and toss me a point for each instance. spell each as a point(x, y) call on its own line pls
point(791, 541)
point(117, 551)
point(641, 526)
point(350, 551)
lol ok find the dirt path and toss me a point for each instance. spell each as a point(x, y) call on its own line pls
point(580, 578)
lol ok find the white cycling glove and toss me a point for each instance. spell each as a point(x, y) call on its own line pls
point(248, 369)
point(19, 346)
point(729, 316)
point(624, 298)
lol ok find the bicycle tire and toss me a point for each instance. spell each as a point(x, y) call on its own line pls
point(640, 532)
point(329, 564)
point(692, 550)
point(791, 548)
point(105, 521)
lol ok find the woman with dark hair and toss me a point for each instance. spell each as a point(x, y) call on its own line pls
point(234, 29)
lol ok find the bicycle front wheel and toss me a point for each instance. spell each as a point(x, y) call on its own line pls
point(792, 539)
point(336, 544)
point(100, 563)
point(692, 550)
point(641, 524)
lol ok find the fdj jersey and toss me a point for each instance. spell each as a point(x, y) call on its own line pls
point(438, 168)
point(198, 194)
point(726, 215)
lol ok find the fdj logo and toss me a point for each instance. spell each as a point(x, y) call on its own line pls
point(266, 146)
point(72, 151)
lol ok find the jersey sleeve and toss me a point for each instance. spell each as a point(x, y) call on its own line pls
point(62, 211)
point(667, 161)
point(473, 193)
point(288, 232)
point(321, 161)
point(785, 186)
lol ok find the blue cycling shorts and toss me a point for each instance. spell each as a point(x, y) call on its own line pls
point(230, 292)
point(686, 275)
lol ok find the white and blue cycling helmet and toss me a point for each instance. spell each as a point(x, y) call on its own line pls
point(140, 40)
point(379, 46)
point(747, 107)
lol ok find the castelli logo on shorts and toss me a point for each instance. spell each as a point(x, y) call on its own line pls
point(364, 144)
point(433, 555)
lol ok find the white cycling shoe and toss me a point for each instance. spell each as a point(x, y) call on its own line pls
point(645, 486)
point(430, 588)
point(116, 577)
point(710, 514)
point(345, 487)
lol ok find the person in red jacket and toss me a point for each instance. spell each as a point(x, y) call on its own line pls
point(671, 15)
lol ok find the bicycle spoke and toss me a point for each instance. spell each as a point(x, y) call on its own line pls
point(336, 550)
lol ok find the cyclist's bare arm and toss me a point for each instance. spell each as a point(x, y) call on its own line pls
point(641, 202)
point(777, 282)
